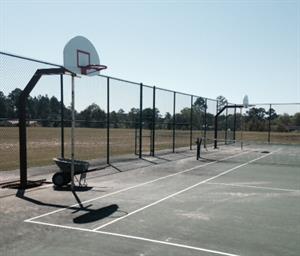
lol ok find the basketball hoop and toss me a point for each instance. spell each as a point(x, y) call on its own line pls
point(81, 57)
point(88, 69)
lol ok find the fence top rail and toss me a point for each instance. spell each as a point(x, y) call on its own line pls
point(156, 87)
point(282, 103)
point(120, 79)
point(30, 59)
point(182, 93)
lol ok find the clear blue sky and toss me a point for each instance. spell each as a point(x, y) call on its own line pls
point(207, 48)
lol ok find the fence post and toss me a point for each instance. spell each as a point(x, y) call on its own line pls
point(135, 137)
point(242, 121)
point(73, 131)
point(234, 123)
point(191, 123)
point(62, 134)
point(108, 123)
point(226, 125)
point(269, 125)
point(205, 122)
point(216, 127)
point(174, 119)
point(141, 121)
point(153, 124)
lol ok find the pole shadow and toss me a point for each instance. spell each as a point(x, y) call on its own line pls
point(90, 215)
point(21, 194)
point(98, 214)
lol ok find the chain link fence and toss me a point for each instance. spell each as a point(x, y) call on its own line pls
point(119, 119)
point(277, 123)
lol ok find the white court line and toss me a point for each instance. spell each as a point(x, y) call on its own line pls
point(136, 238)
point(182, 191)
point(136, 186)
point(252, 186)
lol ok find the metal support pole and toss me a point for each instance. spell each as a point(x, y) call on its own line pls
point(191, 123)
point(241, 113)
point(234, 124)
point(269, 125)
point(23, 146)
point(216, 127)
point(198, 143)
point(174, 120)
point(216, 133)
point(22, 118)
point(221, 111)
point(141, 121)
point(226, 126)
point(205, 122)
point(108, 122)
point(62, 125)
point(72, 133)
point(22, 128)
point(153, 124)
point(135, 137)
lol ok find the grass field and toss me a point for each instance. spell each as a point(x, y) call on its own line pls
point(90, 143)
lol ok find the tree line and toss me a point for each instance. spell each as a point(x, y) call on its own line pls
point(47, 113)
point(259, 119)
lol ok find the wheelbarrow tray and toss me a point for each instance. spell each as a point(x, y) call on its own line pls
point(65, 164)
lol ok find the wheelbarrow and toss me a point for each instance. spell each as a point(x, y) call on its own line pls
point(63, 176)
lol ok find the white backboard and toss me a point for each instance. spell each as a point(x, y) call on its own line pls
point(80, 52)
point(246, 101)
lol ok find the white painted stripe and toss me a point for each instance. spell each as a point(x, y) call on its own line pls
point(138, 185)
point(136, 238)
point(252, 186)
point(181, 191)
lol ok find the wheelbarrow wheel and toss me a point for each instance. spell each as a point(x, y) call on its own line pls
point(59, 179)
point(67, 178)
